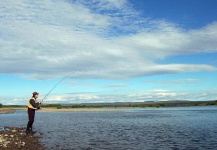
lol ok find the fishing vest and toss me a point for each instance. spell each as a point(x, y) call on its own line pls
point(29, 105)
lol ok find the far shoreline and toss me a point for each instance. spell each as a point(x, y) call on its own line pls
point(115, 105)
point(10, 110)
point(106, 109)
point(7, 110)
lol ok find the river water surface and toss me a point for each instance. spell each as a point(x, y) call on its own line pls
point(177, 128)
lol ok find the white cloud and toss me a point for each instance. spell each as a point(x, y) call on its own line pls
point(175, 81)
point(91, 97)
point(44, 39)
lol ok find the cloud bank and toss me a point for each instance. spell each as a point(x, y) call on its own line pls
point(46, 39)
point(101, 39)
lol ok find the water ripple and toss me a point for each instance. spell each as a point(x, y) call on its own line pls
point(164, 129)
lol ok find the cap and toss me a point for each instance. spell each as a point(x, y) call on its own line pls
point(35, 93)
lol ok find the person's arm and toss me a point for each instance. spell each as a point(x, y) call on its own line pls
point(34, 104)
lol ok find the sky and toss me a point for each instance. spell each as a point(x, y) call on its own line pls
point(107, 51)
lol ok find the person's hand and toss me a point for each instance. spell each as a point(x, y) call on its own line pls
point(41, 100)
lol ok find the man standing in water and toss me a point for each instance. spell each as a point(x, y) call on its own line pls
point(32, 106)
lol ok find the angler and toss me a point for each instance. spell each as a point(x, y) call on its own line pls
point(32, 106)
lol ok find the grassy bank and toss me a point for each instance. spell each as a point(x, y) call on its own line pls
point(171, 103)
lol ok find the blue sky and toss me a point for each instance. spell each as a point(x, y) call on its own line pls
point(113, 51)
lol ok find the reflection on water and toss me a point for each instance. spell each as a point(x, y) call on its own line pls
point(162, 128)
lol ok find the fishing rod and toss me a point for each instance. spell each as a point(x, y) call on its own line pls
point(57, 84)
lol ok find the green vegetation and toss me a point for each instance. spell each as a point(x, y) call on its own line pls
point(138, 105)
point(85, 106)
point(58, 106)
point(14, 106)
point(127, 104)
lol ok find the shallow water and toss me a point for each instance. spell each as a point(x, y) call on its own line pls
point(156, 128)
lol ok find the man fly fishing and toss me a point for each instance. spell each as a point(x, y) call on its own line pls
point(32, 106)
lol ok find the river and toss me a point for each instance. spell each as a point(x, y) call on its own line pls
point(175, 128)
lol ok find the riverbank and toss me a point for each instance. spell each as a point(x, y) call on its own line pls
point(91, 106)
point(16, 138)
point(12, 110)
point(81, 110)
point(7, 110)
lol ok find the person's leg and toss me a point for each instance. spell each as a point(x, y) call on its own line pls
point(32, 118)
point(31, 113)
